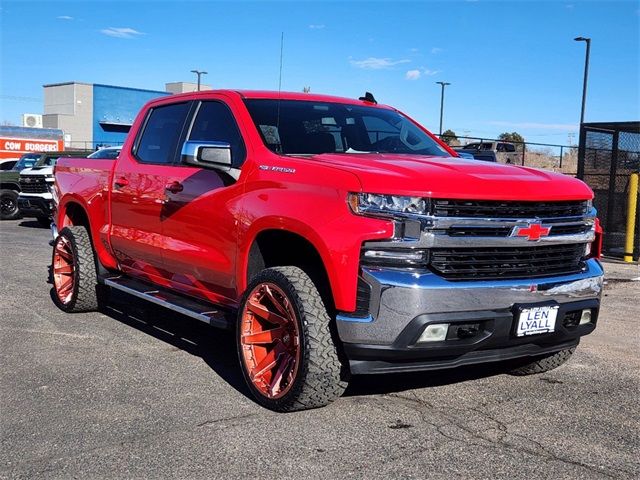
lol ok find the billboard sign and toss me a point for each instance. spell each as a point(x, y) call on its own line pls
point(15, 147)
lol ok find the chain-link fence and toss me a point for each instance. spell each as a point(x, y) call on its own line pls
point(90, 145)
point(557, 158)
point(608, 154)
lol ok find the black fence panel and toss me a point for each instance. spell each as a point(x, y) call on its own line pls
point(608, 154)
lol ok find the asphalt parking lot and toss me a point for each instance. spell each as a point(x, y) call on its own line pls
point(137, 392)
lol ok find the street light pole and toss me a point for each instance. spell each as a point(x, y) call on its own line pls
point(586, 74)
point(199, 73)
point(442, 102)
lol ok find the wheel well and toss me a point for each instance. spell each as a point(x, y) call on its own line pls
point(10, 186)
point(279, 248)
point(75, 215)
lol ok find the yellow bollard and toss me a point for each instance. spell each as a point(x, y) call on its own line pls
point(631, 217)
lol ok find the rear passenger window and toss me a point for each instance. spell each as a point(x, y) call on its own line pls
point(215, 123)
point(160, 137)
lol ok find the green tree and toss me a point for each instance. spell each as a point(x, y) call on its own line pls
point(513, 137)
point(450, 138)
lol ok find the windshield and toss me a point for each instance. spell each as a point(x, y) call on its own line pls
point(308, 128)
point(26, 161)
point(50, 161)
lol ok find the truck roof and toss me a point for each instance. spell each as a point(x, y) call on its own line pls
point(274, 95)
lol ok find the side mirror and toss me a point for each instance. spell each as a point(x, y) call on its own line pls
point(207, 154)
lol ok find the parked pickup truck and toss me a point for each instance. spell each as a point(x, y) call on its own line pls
point(500, 152)
point(329, 249)
point(36, 185)
point(10, 186)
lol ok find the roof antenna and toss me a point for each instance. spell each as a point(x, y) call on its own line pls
point(280, 92)
point(368, 97)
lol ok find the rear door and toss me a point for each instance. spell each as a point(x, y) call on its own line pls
point(202, 211)
point(138, 197)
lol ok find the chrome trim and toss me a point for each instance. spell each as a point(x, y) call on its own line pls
point(190, 148)
point(433, 232)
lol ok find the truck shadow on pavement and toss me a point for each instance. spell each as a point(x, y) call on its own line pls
point(217, 349)
point(32, 224)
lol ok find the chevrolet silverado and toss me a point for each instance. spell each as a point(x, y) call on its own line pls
point(335, 237)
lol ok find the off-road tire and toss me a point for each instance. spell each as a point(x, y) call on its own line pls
point(86, 294)
point(9, 198)
point(544, 364)
point(321, 376)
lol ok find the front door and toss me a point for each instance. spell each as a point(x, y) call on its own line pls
point(200, 217)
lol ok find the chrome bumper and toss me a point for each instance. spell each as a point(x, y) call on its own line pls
point(398, 297)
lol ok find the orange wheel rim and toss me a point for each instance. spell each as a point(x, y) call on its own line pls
point(270, 340)
point(64, 270)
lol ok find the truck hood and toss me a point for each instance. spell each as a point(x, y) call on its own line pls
point(43, 170)
point(450, 177)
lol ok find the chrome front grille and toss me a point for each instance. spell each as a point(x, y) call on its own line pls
point(475, 240)
point(472, 239)
point(471, 231)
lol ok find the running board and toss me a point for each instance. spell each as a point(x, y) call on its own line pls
point(208, 313)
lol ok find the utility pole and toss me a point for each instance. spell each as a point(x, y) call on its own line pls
point(444, 84)
point(586, 74)
point(199, 73)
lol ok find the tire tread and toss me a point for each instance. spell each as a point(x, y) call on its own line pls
point(544, 364)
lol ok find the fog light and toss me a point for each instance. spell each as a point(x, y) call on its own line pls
point(436, 332)
point(585, 317)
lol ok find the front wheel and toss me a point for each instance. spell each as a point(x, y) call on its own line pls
point(9, 205)
point(286, 351)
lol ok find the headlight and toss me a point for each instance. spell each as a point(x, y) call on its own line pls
point(387, 205)
point(373, 256)
point(588, 206)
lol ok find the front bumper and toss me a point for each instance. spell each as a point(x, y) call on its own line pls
point(34, 206)
point(403, 303)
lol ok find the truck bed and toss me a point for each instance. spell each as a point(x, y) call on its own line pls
point(87, 181)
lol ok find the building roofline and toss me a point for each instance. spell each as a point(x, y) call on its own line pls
point(131, 88)
point(105, 85)
point(65, 83)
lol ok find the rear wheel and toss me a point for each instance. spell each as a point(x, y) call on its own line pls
point(73, 267)
point(9, 205)
point(287, 355)
point(544, 364)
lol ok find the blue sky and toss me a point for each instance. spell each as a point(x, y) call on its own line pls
point(512, 65)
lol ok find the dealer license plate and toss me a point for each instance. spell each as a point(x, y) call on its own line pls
point(535, 320)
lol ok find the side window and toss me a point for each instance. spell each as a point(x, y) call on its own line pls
point(509, 147)
point(214, 122)
point(161, 133)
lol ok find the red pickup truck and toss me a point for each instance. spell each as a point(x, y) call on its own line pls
point(334, 236)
